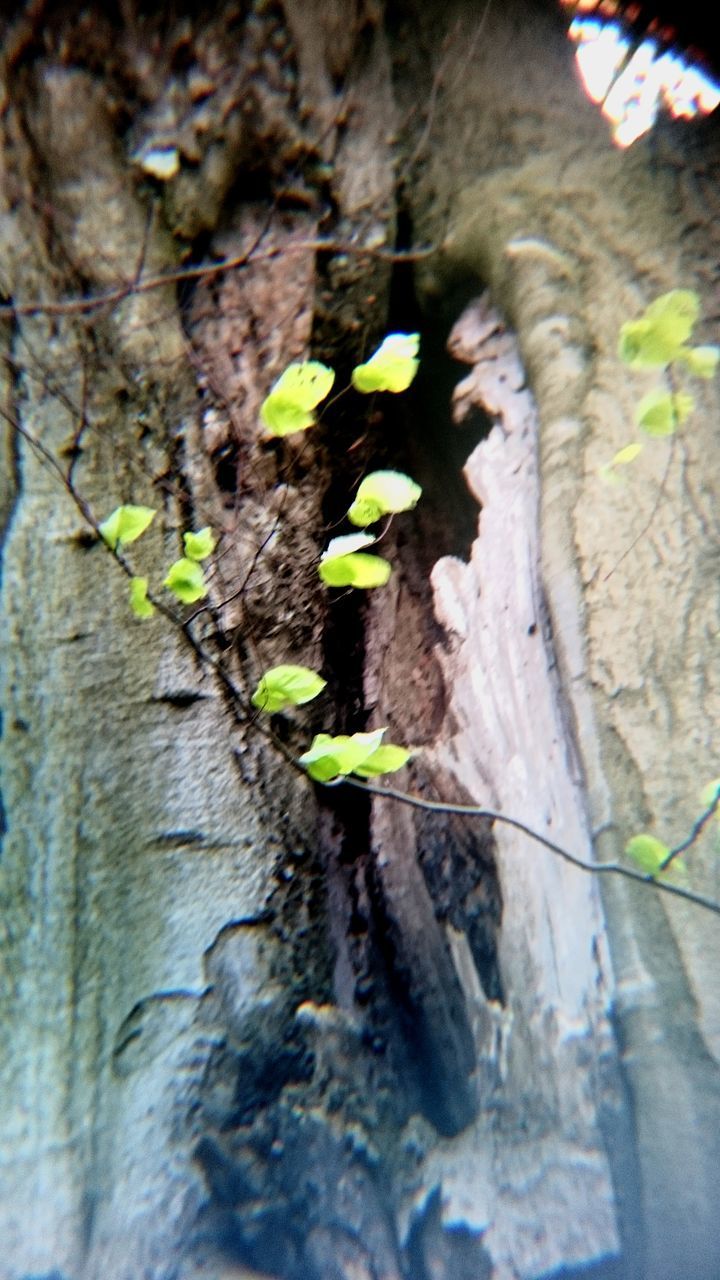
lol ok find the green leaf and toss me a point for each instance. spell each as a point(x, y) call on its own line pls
point(392, 367)
point(638, 348)
point(139, 603)
point(287, 686)
point(125, 524)
point(329, 757)
point(357, 570)
point(702, 361)
point(186, 580)
point(387, 759)
point(650, 853)
point(200, 545)
point(659, 413)
point(383, 493)
point(626, 455)
point(293, 397)
point(342, 566)
point(658, 336)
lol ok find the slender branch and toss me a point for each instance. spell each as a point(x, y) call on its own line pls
point(75, 306)
point(594, 868)
point(694, 832)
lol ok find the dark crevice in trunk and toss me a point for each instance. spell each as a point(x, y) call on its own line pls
point(421, 1033)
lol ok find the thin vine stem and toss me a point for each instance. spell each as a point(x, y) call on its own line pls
point(695, 831)
point(249, 257)
point(594, 868)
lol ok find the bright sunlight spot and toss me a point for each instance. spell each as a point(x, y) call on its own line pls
point(631, 83)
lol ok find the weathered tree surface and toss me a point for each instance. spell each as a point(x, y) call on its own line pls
point(254, 1028)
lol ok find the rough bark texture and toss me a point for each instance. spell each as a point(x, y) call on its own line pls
point(250, 1030)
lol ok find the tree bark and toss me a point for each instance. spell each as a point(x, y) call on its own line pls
point(258, 1028)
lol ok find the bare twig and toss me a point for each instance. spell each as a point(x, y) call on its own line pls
point(695, 830)
point(249, 257)
point(594, 868)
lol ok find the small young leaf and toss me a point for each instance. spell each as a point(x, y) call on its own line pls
point(186, 580)
point(650, 854)
point(356, 570)
point(200, 545)
point(638, 346)
point(702, 361)
point(658, 336)
point(125, 524)
point(329, 757)
point(287, 686)
point(383, 493)
point(659, 413)
point(626, 455)
point(675, 312)
point(139, 603)
point(387, 759)
point(293, 397)
point(392, 367)
point(341, 566)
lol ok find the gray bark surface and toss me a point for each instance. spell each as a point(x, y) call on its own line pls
point(254, 1028)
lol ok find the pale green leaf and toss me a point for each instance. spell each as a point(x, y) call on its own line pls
point(677, 311)
point(200, 545)
point(341, 566)
point(283, 417)
point(702, 361)
point(660, 412)
point(125, 524)
point(332, 757)
point(358, 570)
point(383, 493)
point(287, 686)
point(638, 348)
point(392, 367)
point(139, 603)
point(292, 399)
point(683, 404)
point(628, 454)
point(387, 759)
point(658, 336)
point(186, 580)
point(650, 853)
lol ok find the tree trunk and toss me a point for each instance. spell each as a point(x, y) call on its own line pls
point(254, 1027)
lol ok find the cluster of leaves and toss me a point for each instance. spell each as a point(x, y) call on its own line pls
point(362, 754)
point(292, 400)
point(658, 339)
point(289, 407)
point(185, 578)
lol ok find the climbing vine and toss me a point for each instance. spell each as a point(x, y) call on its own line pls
point(657, 339)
